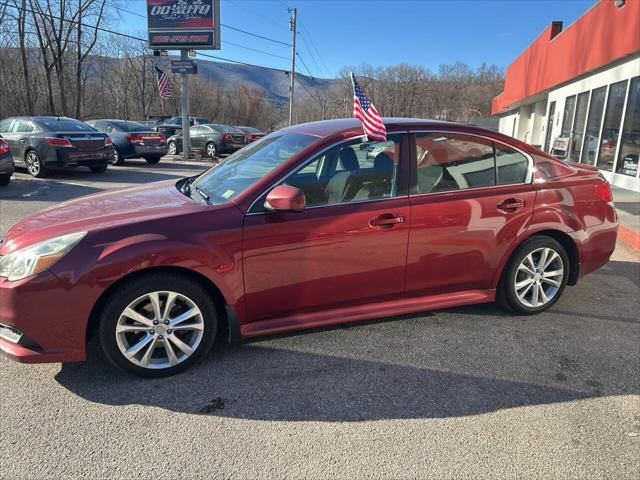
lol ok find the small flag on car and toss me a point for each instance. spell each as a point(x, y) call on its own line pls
point(364, 111)
point(164, 85)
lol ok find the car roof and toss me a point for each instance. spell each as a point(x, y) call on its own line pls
point(324, 128)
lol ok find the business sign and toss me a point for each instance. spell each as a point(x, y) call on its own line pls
point(184, 66)
point(184, 24)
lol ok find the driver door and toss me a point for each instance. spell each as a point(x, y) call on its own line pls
point(338, 252)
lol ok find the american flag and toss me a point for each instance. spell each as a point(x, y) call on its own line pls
point(164, 85)
point(364, 111)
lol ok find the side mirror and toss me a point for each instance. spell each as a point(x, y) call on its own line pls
point(284, 198)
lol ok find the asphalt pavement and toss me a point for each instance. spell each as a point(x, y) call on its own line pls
point(470, 392)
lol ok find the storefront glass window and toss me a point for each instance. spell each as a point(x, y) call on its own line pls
point(590, 144)
point(611, 126)
point(552, 112)
point(630, 142)
point(567, 118)
point(578, 126)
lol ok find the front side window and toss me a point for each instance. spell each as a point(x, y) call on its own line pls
point(236, 173)
point(353, 171)
point(453, 162)
point(592, 132)
point(611, 125)
point(630, 141)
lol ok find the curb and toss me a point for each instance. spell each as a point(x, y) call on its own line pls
point(629, 237)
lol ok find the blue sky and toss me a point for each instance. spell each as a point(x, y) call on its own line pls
point(381, 33)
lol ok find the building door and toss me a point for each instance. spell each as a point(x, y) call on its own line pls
point(552, 112)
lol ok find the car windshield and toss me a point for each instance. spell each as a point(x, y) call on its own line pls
point(129, 126)
point(64, 125)
point(238, 172)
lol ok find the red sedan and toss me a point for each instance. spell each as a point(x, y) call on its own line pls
point(310, 226)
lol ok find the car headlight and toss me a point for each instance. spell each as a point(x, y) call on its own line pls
point(38, 257)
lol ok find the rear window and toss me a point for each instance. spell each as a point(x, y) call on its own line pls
point(250, 130)
point(129, 126)
point(64, 125)
point(226, 129)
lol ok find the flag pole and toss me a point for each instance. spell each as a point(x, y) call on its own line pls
point(353, 87)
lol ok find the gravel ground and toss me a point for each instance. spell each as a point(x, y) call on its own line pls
point(464, 393)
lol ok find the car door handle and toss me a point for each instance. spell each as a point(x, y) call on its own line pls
point(511, 205)
point(386, 220)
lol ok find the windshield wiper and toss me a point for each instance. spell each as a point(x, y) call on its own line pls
point(202, 192)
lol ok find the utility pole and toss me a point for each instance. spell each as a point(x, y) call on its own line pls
point(184, 90)
point(292, 74)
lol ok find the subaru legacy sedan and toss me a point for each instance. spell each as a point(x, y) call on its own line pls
point(310, 226)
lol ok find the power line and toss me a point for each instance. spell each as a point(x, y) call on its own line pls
point(222, 24)
point(237, 5)
point(308, 34)
point(304, 64)
point(132, 37)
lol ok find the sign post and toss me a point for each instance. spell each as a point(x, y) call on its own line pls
point(184, 25)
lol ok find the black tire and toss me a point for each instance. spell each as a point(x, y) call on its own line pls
point(118, 159)
point(34, 163)
point(507, 295)
point(4, 180)
point(152, 160)
point(128, 292)
point(172, 148)
point(98, 168)
point(211, 150)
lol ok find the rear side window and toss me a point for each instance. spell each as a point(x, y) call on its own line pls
point(512, 165)
point(5, 125)
point(449, 162)
point(23, 126)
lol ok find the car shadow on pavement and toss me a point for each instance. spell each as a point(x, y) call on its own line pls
point(21, 189)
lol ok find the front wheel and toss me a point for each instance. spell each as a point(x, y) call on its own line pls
point(535, 277)
point(172, 148)
point(157, 325)
point(98, 168)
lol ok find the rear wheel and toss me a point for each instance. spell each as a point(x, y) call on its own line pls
point(535, 277)
point(98, 168)
point(5, 179)
point(152, 160)
point(211, 150)
point(118, 159)
point(35, 167)
point(157, 325)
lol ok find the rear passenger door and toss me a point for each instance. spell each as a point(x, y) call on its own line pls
point(470, 198)
point(19, 138)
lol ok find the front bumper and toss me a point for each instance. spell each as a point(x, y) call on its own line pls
point(51, 319)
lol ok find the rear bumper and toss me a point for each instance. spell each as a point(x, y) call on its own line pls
point(70, 158)
point(599, 244)
point(149, 151)
point(52, 321)
point(230, 147)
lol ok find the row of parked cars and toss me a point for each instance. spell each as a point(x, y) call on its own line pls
point(41, 143)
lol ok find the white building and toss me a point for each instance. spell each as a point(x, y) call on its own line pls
point(576, 93)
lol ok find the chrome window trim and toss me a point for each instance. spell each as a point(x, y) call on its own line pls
point(528, 177)
point(312, 159)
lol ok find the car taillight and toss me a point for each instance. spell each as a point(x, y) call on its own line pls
point(603, 192)
point(4, 147)
point(135, 139)
point(59, 142)
point(162, 138)
point(108, 142)
point(225, 137)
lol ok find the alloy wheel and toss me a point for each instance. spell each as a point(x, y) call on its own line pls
point(172, 148)
point(211, 150)
point(539, 277)
point(159, 330)
point(33, 164)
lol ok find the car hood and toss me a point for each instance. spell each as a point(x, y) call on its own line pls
point(101, 210)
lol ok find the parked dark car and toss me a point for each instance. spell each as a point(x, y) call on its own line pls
point(132, 140)
point(302, 229)
point(43, 143)
point(6, 163)
point(252, 133)
point(212, 139)
point(173, 125)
